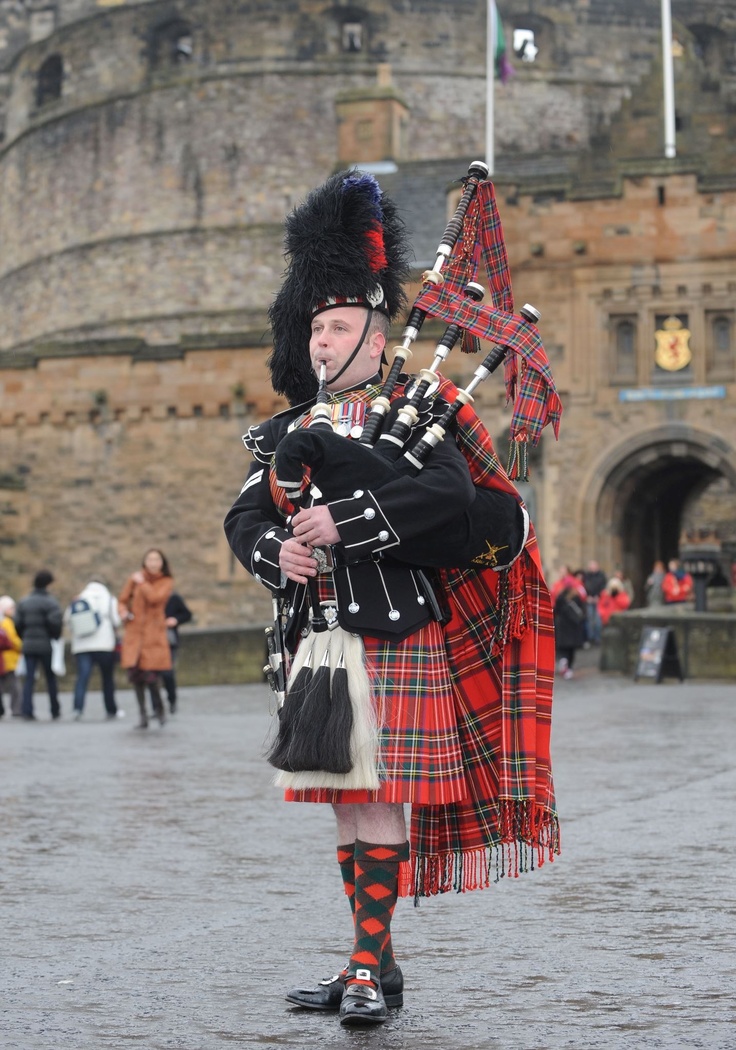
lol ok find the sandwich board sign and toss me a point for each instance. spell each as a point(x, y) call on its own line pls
point(658, 657)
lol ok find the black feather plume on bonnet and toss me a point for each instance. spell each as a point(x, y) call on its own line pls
point(345, 242)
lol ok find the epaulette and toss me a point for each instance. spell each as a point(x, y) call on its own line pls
point(261, 439)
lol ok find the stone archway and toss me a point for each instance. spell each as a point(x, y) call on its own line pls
point(637, 495)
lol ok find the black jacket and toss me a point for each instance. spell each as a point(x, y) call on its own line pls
point(388, 533)
point(177, 607)
point(569, 621)
point(595, 583)
point(37, 621)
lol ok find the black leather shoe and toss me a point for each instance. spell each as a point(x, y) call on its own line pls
point(363, 1004)
point(328, 993)
point(326, 996)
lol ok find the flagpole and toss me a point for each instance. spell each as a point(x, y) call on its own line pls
point(668, 75)
point(491, 44)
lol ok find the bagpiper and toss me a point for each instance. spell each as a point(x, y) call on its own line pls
point(411, 614)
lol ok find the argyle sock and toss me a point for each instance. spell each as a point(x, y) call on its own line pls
point(376, 892)
point(346, 860)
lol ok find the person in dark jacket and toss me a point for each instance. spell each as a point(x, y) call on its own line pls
point(38, 621)
point(177, 612)
point(569, 629)
point(594, 580)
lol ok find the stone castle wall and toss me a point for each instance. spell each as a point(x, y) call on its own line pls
point(109, 453)
point(140, 233)
point(107, 456)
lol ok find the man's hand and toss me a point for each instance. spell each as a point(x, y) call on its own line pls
point(296, 561)
point(315, 527)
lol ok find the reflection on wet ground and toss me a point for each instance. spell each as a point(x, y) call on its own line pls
point(154, 889)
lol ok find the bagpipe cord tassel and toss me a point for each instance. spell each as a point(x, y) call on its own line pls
point(344, 725)
point(469, 343)
point(518, 466)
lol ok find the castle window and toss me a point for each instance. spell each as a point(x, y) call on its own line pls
point(623, 333)
point(352, 37)
point(721, 337)
point(171, 43)
point(709, 46)
point(524, 45)
point(50, 77)
point(721, 352)
point(534, 41)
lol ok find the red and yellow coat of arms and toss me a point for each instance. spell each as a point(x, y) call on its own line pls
point(672, 351)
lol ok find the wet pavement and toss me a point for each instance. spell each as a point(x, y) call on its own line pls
point(153, 889)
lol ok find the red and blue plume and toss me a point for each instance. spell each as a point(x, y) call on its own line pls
point(374, 245)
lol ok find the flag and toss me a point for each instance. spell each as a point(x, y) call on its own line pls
point(504, 69)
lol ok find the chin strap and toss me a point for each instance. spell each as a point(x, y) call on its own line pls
point(352, 357)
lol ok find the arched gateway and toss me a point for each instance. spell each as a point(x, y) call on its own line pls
point(637, 495)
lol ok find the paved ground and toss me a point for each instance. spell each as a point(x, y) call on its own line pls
point(150, 891)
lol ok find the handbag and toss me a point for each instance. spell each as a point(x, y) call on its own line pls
point(58, 663)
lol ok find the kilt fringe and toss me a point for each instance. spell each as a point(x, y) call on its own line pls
point(530, 835)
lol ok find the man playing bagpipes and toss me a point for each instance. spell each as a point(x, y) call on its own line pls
point(410, 610)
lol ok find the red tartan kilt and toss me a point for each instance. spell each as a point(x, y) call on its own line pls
point(420, 749)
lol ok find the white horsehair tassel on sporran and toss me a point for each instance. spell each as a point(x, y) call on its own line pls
point(328, 736)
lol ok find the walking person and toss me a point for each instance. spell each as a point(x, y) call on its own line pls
point(93, 620)
point(422, 665)
point(145, 651)
point(594, 580)
point(38, 622)
point(569, 613)
point(177, 612)
point(10, 648)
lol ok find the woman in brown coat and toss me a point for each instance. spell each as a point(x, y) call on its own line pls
point(145, 652)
